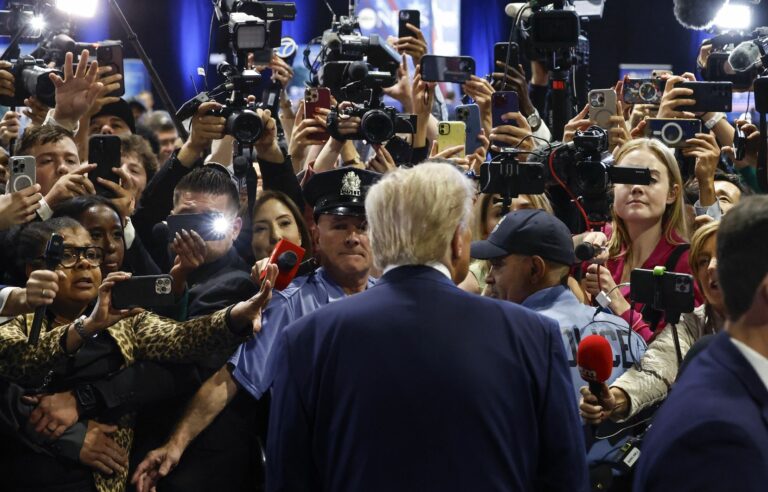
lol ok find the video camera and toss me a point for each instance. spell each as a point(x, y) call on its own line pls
point(738, 58)
point(254, 27)
point(31, 79)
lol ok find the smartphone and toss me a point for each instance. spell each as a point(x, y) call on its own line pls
point(503, 102)
point(469, 114)
point(104, 151)
point(656, 74)
point(643, 91)
point(709, 96)
point(110, 53)
point(210, 226)
point(400, 150)
point(454, 69)
point(665, 291)
point(316, 98)
point(602, 105)
point(407, 17)
point(450, 134)
point(23, 173)
point(287, 256)
point(500, 53)
point(143, 291)
point(672, 131)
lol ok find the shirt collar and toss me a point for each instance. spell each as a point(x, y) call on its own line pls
point(433, 264)
point(545, 298)
point(758, 362)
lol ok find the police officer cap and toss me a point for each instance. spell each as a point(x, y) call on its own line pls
point(529, 233)
point(339, 192)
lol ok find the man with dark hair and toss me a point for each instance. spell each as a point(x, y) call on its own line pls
point(712, 433)
point(161, 124)
point(113, 119)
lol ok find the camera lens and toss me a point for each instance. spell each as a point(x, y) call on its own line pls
point(245, 126)
point(376, 126)
point(671, 133)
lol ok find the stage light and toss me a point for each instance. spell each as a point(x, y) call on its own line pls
point(78, 8)
point(734, 16)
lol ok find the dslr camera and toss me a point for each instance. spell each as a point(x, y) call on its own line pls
point(32, 79)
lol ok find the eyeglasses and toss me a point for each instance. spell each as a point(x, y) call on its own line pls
point(92, 254)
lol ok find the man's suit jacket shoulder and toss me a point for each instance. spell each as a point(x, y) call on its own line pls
point(717, 414)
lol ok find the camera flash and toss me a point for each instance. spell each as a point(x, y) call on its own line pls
point(221, 225)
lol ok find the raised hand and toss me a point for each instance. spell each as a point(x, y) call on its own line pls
point(77, 91)
point(250, 311)
point(104, 315)
point(19, 207)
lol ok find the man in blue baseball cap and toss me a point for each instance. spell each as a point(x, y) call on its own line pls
point(531, 253)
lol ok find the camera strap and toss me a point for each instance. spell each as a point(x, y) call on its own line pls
point(652, 316)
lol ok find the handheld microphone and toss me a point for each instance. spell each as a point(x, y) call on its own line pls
point(54, 251)
point(586, 251)
point(287, 256)
point(595, 360)
point(697, 14)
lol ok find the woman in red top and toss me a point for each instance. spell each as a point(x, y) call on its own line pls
point(648, 226)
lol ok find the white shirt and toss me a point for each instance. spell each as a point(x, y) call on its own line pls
point(755, 359)
point(435, 264)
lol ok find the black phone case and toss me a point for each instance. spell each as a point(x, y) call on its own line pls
point(113, 57)
point(500, 55)
point(709, 96)
point(104, 151)
point(200, 223)
point(676, 294)
point(407, 17)
point(145, 292)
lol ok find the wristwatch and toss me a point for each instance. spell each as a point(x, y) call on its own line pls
point(85, 397)
point(534, 120)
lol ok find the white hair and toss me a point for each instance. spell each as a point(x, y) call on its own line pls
point(413, 213)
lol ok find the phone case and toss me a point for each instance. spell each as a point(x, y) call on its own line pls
point(676, 289)
point(314, 99)
point(503, 102)
point(143, 291)
point(104, 151)
point(469, 114)
point(23, 173)
point(500, 55)
point(709, 96)
point(672, 131)
point(400, 150)
point(643, 91)
point(112, 55)
point(602, 105)
point(203, 224)
point(656, 74)
point(407, 17)
point(450, 134)
point(454, 69)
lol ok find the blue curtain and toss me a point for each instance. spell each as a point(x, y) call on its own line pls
point(483, 24)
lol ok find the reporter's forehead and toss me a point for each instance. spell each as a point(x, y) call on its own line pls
point(200, 202)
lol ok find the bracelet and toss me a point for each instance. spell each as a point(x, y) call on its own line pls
point(710, 124)
point(79, 325)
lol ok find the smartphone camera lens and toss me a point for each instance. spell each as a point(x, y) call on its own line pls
point(464, 66)
point(671, 133)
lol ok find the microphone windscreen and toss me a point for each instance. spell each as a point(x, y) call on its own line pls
point(286, 261)
point(697, 14)
point(358, 70)
point(585, 251)
point(744, 56)
point(160, 232)
point(595, 359)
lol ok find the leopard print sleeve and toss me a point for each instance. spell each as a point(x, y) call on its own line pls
point(162, 339)
point(19, 359)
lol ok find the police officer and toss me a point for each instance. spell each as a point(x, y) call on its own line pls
point(531, 252)
point(338, 201)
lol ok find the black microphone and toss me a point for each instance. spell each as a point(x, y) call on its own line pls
point(286, 261)
point(54, 251)
point(697, 14)
point(160, 233)
point(586, 251)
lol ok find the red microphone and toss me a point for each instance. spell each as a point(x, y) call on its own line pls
point(595, 361)
point(287, 256)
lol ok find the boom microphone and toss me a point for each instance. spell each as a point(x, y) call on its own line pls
point(698, 14)
point(745, 56)
point(595, 360)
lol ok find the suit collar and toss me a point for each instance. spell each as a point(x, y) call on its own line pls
point(724, 352)
point(414, 272)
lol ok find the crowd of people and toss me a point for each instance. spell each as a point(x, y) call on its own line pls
point(429, 341)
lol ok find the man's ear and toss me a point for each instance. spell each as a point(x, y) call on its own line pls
point(315, 236)
point(538, 270)
point(237, 225)
point(758, 311)
point(458, 243)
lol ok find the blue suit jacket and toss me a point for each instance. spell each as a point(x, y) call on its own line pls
point(415, 385)
point(712, 433)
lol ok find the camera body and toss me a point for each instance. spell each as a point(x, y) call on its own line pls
point(377, 125)
point(32, 79)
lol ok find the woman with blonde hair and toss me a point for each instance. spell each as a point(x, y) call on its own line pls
point(648, 230)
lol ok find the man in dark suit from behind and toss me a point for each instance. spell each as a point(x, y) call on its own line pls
point(712, 433)
point(415, 385)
